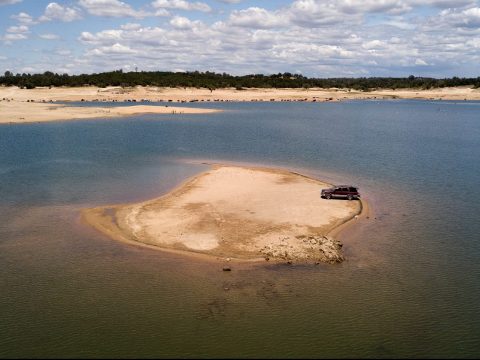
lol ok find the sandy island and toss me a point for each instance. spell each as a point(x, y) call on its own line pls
point(34, 105)
point(15, 112)
point(241, 213)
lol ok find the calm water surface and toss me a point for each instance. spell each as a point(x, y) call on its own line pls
point(409, 287)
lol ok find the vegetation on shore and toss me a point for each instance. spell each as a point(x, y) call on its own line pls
point(211, 80)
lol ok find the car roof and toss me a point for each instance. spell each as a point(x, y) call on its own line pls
point(356, 187)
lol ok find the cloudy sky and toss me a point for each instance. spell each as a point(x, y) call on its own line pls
point(319, 38)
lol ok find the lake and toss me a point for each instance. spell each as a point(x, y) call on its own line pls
point(409, 286)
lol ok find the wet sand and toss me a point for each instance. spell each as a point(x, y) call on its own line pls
point(237, 213)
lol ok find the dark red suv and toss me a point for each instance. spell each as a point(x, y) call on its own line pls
point(341, 191)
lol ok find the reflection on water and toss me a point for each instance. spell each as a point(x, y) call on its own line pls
point(408, 288)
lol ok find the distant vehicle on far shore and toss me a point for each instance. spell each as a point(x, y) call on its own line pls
point(341, 191)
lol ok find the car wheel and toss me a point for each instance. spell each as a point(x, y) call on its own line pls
point(328, 196)
point(349, 197)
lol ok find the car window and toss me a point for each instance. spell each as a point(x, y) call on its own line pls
point(352, 189)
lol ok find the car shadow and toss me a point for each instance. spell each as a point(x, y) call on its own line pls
point(342, 199)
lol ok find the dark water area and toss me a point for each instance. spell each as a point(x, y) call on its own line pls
point(409, 286)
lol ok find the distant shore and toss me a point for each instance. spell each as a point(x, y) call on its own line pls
point(237, 213)
point(32, 105)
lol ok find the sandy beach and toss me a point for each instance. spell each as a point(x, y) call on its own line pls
point(38, 105)
point(241, 213)
point(179, 94)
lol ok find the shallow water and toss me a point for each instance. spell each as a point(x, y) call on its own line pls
point(409, 287)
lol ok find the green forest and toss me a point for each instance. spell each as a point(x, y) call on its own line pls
point(211, 80)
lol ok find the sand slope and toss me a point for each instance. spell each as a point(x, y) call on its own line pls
point(236, 212)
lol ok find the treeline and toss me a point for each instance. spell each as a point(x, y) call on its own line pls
point(213, 80)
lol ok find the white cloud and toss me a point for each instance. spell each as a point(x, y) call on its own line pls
point(49, 36)
point(162, 12)
point(320, 13)
point(181, 5)
point(374, 6)
point(115, 49)
point(131, 26)
point(468, 18)
point(311, 13)
point(473, 43)
point(420, 62)
point(15, 33)
point(317, 38)
point(257, 18)
point(23, 18)
point(310, 52)
point(103, 37)
point(373, 44)
point(54, 11)
point(21, 29)
point(8, 38)
point(120, 49)
point(180, 22)
point(86, 37)
point(111, 8)
point(400, 23)
point(444, 3)
point(9, 2)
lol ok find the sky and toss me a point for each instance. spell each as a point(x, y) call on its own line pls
point(315, 38)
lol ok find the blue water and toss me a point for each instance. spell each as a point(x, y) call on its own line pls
point(409, 287)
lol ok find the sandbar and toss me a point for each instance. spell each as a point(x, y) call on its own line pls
point(17, 112)
point(235, 212)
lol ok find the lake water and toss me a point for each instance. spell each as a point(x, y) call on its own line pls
point(409, 288)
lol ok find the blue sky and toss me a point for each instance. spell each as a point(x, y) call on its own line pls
point(328, 38)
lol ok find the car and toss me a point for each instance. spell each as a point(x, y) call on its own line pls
point(341, 191)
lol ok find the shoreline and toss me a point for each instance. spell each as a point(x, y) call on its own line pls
point(192, 95)
point(113, 221)
point(42, 104)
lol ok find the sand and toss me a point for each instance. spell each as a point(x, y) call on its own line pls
point(17, 112)
point(241, 213)
point(35, 105)
point(151, 93)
